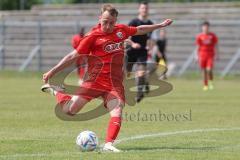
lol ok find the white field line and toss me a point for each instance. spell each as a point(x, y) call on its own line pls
point(69, 154)
point(163, 134)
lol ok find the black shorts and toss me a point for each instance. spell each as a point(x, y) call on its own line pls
point(139, 57)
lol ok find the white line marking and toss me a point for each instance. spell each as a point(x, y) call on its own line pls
point(69, 154)
point(163, 134)
point(174, 133)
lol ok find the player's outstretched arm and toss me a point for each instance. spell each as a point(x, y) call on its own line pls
point(65, 62)
point(133, 44)
point(144, 29)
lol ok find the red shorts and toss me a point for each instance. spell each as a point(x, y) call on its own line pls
point(206, 61)
point(90, 90)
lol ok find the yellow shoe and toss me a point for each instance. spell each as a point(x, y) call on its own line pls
point(205, 88)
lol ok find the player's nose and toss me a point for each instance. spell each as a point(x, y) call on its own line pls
point(108, 27)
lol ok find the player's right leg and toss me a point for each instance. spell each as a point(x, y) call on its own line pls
point(210, 77)
point(141, 81)
point(74, 105)
point(69, 104)
point(130, 61)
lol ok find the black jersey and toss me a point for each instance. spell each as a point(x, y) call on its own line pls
point(141, 39)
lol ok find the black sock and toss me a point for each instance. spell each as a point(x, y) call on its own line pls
point(140, 83)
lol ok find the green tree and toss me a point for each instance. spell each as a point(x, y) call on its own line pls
point(17, 4)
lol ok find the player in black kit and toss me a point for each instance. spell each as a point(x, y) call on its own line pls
point(162, 44)
point(138, 54)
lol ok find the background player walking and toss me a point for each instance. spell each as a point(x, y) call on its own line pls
point(207, 50)
point(139, 55)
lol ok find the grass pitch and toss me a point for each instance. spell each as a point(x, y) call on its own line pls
point(197, 125)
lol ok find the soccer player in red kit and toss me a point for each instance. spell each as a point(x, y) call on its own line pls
point(207, 50)
point(105, 42)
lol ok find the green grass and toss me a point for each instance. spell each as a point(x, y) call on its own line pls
point(29, 128)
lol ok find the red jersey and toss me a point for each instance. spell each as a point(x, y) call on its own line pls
point(206, 43)
point(76, 39)
point(106, 54)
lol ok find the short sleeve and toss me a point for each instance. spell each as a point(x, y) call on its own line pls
point(132, 23)
point(85, 45)
point(215, 38)
point(198, 40)
point(130, 30)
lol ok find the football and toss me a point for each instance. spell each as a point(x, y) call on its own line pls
point(87, 141)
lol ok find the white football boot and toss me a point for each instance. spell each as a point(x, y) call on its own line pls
point(108, 147)
point(51, 89)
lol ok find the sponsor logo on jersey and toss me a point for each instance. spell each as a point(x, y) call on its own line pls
point(207, 40)
point(113, 47)
point(119, 35)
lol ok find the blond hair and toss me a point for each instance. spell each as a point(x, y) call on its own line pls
point(110, 8)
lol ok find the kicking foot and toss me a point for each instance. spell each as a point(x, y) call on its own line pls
point(51, 89)
point(108, 147)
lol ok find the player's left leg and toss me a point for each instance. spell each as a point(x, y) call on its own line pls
point(115, 109)
point(203, 66)
point(205, 79)
point(115, 105)
point(210, 72)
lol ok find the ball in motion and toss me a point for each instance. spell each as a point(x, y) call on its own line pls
point(87, 141)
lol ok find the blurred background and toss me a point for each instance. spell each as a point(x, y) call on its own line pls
point(36, 34)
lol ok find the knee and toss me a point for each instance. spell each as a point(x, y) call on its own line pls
point(116, 112)
point(70, 114)
point(68, 111)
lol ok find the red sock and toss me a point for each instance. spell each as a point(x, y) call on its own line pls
point(113, 129)
point(62, 98)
